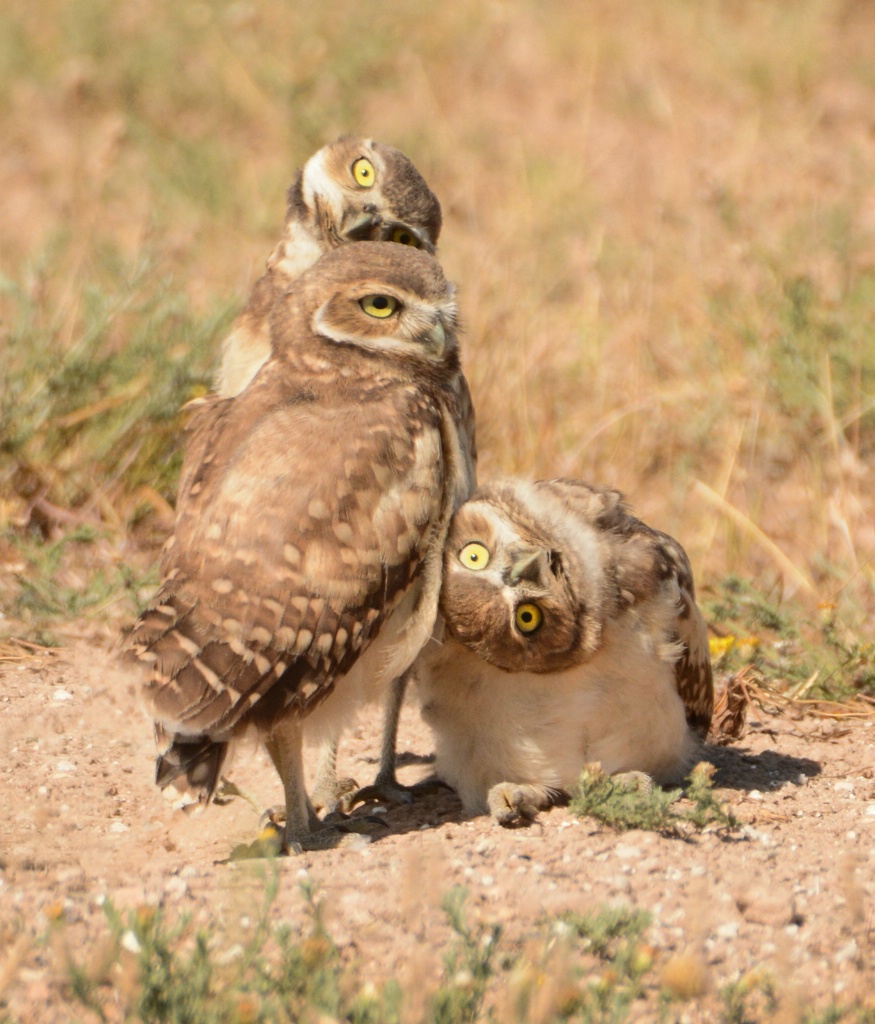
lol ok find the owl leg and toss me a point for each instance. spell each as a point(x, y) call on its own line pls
point(303, 830)
point(512, 803)
point(386, 786)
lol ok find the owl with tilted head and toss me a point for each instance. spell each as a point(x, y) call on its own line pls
point(303, 573)
point(570, 635)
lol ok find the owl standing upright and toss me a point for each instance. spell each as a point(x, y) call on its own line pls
point(352, 190)
point(304, 570)
point(571, 635)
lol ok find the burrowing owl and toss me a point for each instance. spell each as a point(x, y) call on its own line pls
point(352, 190)
point(305, 565)
point(571, 636)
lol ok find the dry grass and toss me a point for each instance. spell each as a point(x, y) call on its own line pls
point(661, 218)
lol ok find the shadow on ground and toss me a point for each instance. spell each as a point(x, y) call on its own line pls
point(740, 768)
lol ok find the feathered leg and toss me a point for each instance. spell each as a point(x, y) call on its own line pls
point(303, 830)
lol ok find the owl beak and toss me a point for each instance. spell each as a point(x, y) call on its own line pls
point(438, 337)
point(362, 228)
point(528, 566)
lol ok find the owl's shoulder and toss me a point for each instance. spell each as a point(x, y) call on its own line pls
point(639, 558)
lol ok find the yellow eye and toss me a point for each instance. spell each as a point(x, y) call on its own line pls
point(380, 306)
point(404, 236)
point(528, 618)
point(363, 172)
point(474, 556)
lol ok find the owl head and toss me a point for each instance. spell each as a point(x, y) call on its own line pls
point(355, 189)
point(523, 581)
point(386, 301)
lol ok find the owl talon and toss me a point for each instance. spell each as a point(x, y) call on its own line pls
point(276, 817)
point(272, 816)
point(394, 792)
point(512, 804)
point(384, 792)
point(274, 838)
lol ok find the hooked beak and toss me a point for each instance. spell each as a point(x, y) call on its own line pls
point(528, 566)
point(362, 227)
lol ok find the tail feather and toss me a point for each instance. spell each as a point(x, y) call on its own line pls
point(188, 768)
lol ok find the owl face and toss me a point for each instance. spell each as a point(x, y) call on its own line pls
point(357, 190)
point(512, 591)
point(378, 298)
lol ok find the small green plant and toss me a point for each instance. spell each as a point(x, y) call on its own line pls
point(706, 811)
point(623, 804)
point(612, 934)
point(181, 976)
point(468, 966)
point(735, 1003)
point(796, 654)
point(835, 1015)
point(608, 929)
point(73, 576)
point(738, 601)
point(589, 968)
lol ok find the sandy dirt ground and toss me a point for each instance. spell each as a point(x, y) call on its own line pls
point(793, 894)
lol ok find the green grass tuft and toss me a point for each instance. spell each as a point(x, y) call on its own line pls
point(624, 804)
point(816, 657)
point(469, 966)
point(102, 414)
point(606, 930)
point(584, 967)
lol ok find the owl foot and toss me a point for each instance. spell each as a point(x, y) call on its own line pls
point(390, 790)
point(637, 781)
point(385, 788)
point(364, 824)
point(334, 795)
point(276, 817)
point(512, 803)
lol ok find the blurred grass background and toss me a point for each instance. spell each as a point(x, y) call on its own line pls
point(661, 218)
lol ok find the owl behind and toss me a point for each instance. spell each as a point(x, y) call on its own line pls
point(352, 190)
point(571, 635)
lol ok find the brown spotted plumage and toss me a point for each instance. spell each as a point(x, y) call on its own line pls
point(303, 573)
point(571, 635)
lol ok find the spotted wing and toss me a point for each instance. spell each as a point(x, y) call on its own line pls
point(693, 671)
point(644, 559)
point(300, 527)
